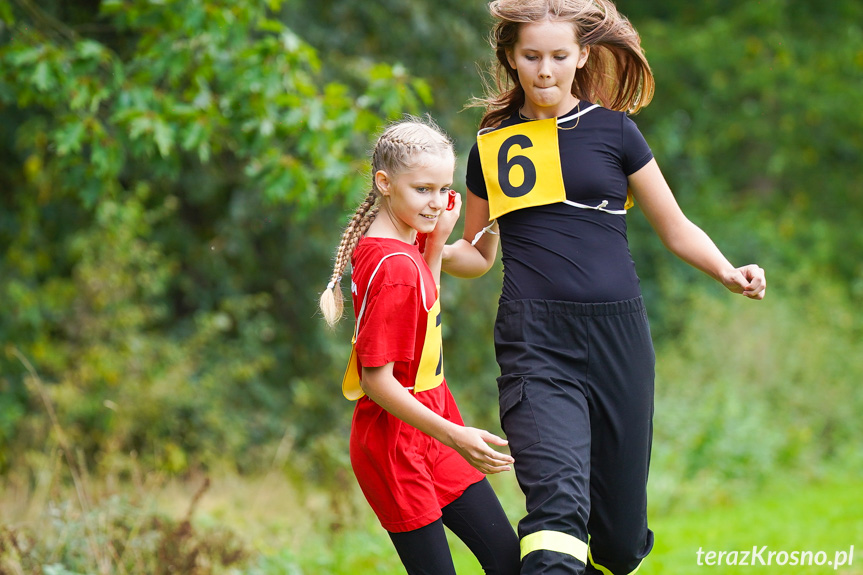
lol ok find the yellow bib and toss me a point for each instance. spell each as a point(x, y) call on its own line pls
point(521, 166)
point(430, 370)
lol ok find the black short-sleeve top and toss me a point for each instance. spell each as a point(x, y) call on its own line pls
point(561, 252)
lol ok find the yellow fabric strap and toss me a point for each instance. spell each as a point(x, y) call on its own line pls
point(605, 571)
point(630, 199)
point(554, 541)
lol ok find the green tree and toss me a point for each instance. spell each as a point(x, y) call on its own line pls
point(440, 41)
point(160, 163)
point(751, 125)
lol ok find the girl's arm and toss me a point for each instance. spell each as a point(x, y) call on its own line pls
point(461, 259)
point(384, 389)
point(685, 239)
point(436, 240)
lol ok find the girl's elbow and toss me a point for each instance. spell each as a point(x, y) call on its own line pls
point(678, 237)
point(473, 270)
point(464, 260)
point(371, 381)
point(482, 261)
point(487, 265)
point(369, 386)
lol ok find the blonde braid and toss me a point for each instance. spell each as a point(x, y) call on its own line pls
point(332, 301)
point(395, 152)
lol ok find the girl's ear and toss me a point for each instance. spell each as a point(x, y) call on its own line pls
point(582, 56)
point(382, 182)
point(510, 59)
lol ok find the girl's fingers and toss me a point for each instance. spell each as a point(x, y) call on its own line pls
point(489, 437)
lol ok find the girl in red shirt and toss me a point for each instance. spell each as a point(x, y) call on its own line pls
point(418, 465)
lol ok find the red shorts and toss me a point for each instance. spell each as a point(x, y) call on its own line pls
point(406, 476)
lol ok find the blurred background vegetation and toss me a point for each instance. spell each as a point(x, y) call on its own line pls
point(174, 177)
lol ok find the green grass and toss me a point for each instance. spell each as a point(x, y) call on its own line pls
point(821, 517)
point(827, 517)
point(284, 529)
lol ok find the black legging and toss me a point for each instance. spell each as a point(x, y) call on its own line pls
point(477, 519)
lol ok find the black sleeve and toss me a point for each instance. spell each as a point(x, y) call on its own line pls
point(473, 178)
point(636, 152)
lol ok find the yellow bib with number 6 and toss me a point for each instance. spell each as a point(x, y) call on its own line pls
point(521, 166)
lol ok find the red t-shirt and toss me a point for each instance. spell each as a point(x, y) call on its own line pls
point(406, 476)
point(393, 325)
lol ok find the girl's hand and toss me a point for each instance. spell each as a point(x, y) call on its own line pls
point(471, 443)
point(436, 240)
point(446, 221)
point(747, 280)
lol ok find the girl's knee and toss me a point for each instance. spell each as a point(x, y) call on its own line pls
point(618, 555)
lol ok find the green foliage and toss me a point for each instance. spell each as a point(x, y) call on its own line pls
point(175, 174)
point(753, 120)
point(182, 83)
point(441, 41)
point(163, 161)
point(749, 392)
point(101, 341)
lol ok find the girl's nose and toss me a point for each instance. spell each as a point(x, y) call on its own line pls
point(437, 201)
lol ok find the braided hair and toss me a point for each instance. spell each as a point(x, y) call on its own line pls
point(395, 152)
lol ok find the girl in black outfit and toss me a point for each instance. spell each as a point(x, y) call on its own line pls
point(556, 164)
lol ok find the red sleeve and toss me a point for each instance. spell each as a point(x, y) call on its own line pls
point(388, 326)
point(421, 241)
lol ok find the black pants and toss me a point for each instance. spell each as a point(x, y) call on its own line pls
point(477, 519)
point(576, 400)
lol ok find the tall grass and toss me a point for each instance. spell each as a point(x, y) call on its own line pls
point(117, 535)
point(90, 528)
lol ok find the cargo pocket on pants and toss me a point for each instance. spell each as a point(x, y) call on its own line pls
point(516, 414)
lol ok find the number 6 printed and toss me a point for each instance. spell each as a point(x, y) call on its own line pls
point(505, 166)
point(521, 166)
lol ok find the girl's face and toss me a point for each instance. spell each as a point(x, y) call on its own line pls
point(415, 198)
point(546, 57)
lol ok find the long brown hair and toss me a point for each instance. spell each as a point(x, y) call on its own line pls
point(615, 75)
point(395, 152)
